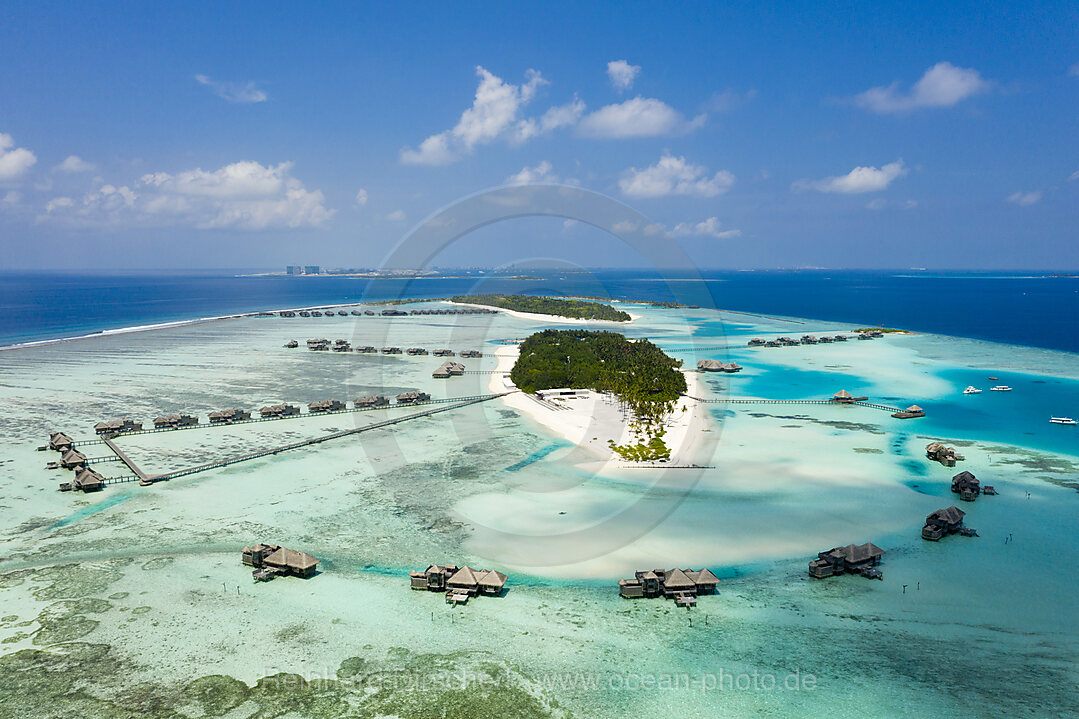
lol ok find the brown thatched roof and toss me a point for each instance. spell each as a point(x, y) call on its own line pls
point(464, 576)
point(856, 553)
point(290, 558)
point(677, 579)
point(949, 515)
point(702, 576)
point(491, 578)
point(842, 394)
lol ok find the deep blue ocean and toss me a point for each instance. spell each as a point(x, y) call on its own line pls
point(1031, 309)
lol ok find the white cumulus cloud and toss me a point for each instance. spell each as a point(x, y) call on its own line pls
point(14, 161)
point(361, 197)
point(74, 163)
point(243, 195)
point(674, 176)
point(1025, 199)
point(495, 112)
point(396, 216)
point(858, 180)
point(639, 117)
point(532, 175)
point(942, 85)
point(711, 227)
point(622, 74)
point(241, 93)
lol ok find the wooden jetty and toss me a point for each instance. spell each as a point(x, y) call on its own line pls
point(300, 444)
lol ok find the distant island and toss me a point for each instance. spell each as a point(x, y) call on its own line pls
point(574, 309)
point(638, 372)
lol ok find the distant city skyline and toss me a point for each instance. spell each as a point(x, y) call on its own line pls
point(798, 136)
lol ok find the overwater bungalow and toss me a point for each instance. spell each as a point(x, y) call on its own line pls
point(60, 441)
point(325, 405)
point(118, 426)
point(73, 459)
point(271, 560)
point(366, 349)
point(464, 580)
point(342, 347)
point(967, 486)
point(391, 350)
point(412, 397)
point(669, 583)
point(943, 521)
point(756, 342)
point(444, 353)
point(717, 366)
point(854, 559)
point(394, 313)
point(304, 313)
point(843, 397)
point(292, 344)
point(865, 336)
point(773, 343)
point(368, 312)
point(87, 480)
point(840, 338)
point(416, 351)
point(911, 412)
point(448, 369)
point(279, 410)
point(826, 339)
point(342, 313)
point(471, 354)
point(356, 313)
point(809, 340)
point(172, 421)
point(318, 344)
point(316, 313)
point(375, 400)
point(228, 416)
point(945, 455)
point(287, 313)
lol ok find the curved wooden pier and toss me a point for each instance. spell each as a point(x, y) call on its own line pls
point(750, 400)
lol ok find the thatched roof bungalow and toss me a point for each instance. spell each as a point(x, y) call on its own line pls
point(939, 453)
point(967, 486)
point(60, 441)
point(73, 459)
point(374, 400)
point(87, 480)
point(325, 405)
point(943, 521)
point(412, 397)
point(853, 558)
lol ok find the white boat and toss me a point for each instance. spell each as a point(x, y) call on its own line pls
point(1062, 420)
point(1000, 388)
point(972, 390)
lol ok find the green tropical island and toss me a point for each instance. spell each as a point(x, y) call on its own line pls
point(636, 371)
point(574, 309)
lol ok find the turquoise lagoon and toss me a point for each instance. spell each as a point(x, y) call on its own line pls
point(134, 600)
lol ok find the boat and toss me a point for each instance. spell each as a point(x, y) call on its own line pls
point(972, 390)
point(1062, 420)
point(1000, 388)
point(993, 378)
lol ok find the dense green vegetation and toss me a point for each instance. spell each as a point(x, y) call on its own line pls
point(638, 372)
point(885, 330)
point(576, 309)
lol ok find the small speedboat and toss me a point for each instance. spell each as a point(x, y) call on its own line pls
point(1062, 420)
point(993, 378)
point(972, 390)
point(1000, 388)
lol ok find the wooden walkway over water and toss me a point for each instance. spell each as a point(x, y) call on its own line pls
point(304, 415)
point(751, 400)
point(141, 476)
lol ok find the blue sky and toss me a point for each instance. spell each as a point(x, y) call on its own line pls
point(806, 134)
